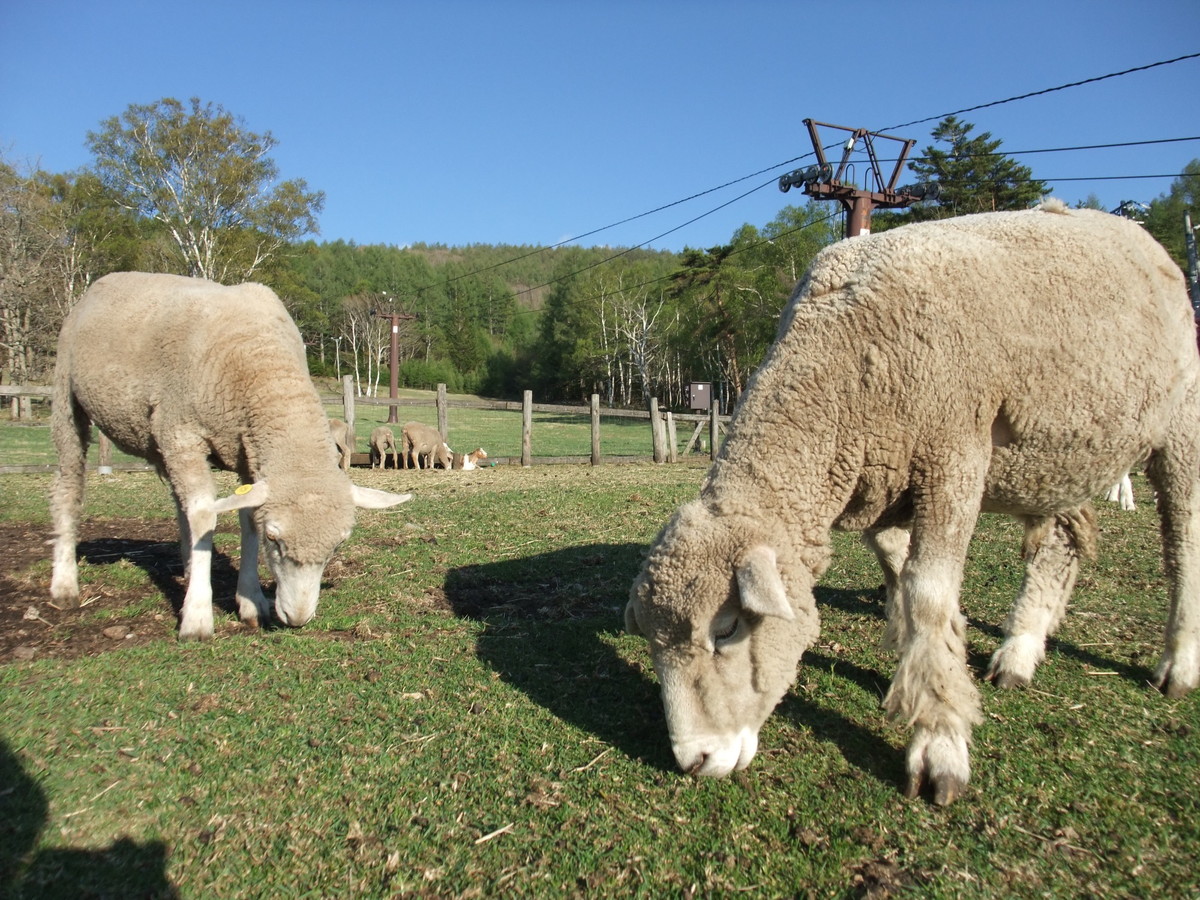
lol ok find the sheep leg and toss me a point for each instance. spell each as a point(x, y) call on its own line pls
point(890, 546)
point(253, 607)
point(1051, 565)
point(1172, 470)
point(195, 498)
point(72, 432)
point(932, 689)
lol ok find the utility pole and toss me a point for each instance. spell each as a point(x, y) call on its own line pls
point(1193, 277)
point(394, 380)
point(824, 182)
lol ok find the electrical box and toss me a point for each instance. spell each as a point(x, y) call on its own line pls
point(699, 395)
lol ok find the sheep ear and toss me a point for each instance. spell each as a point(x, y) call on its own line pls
point(631, 620)
point(370, 498)
point(760, 585)
point(245, 497)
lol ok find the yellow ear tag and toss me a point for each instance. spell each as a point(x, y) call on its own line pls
point(244, 489)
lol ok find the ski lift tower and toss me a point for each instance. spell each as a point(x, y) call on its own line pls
point(824, 182)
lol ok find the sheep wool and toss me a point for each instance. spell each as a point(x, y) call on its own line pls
point(185, 373)
point(920, 376)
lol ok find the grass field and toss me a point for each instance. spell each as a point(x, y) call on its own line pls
point(465, 718)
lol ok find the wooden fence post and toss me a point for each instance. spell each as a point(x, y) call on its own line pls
point(595, 429)
point(105, 466)
point(672, 448)
point(714, 431)
point(527, 429)
point(656, 431)
point(443, 425)
point(348, 400)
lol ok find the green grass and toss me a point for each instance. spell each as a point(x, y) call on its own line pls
point(465, 717)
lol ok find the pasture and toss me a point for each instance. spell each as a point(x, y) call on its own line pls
point(466, 718)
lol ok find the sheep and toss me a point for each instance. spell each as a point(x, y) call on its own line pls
point(1122, 493)
point(920, 376)
point(468, 460)
point(184, 372)
point(343, 440)
point(421, 441)
point(383, 440)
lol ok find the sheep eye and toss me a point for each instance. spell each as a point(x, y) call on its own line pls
point(728, 631)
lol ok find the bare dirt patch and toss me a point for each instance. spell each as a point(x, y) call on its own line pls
point(32, 627)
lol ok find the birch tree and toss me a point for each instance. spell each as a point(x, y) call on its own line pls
point(208, 181)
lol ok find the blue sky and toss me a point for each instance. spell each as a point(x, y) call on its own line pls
point(535, 121)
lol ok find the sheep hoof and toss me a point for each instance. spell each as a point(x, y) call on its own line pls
point(188, 636)
point(1006, 681)
point(946, 789)
point(1174, 689)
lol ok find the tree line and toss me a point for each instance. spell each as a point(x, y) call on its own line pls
point(188, 188)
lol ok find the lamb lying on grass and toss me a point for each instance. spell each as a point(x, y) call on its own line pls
point(468, 460)
point(183, 373)
point(422, 442)
point(383, 440)
point(920, 376)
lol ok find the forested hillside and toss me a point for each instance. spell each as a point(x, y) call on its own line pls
point(185, 188)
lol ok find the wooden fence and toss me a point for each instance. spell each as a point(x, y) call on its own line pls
point(663, 424)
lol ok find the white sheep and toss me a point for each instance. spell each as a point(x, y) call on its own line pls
point(920, 376)
point(183, 373)
point(383, 440)
point(343, 441)
point(419, 441)
point(1122, 493)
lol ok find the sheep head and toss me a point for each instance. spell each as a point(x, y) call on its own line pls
point(726, 630)
point(301, 522)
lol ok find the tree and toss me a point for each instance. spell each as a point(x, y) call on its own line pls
point(1164, 219)
point(971, 176)
point(208, 181)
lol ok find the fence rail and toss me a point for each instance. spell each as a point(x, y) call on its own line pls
point(662, 425)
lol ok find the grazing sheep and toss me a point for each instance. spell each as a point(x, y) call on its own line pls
point(468, 460)
point(343, 440)
point(419, 441)
point(183, 373)
point(383, 440)
point(920, 376)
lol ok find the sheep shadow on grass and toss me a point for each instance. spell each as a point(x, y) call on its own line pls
point(123, 869)
point(551, 624)
point(554, 629)
point(159, 558)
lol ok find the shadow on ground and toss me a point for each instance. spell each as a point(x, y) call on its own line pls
point(123, 869)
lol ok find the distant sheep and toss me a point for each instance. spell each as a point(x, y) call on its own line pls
point(421, 442)
point(343, 440)
point(183, 373)
point(383, 440)
point(919, 376)
point(468, 460)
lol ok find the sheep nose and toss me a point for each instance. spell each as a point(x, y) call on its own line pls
point(697, 764)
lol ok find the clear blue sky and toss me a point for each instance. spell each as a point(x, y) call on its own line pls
point(535, 121)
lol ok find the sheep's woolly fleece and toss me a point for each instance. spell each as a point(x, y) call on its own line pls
point(919, 376)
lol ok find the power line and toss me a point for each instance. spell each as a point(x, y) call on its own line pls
point(1061, 87)
point(804, 156)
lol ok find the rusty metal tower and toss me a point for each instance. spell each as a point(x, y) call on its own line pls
point(824, 182)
